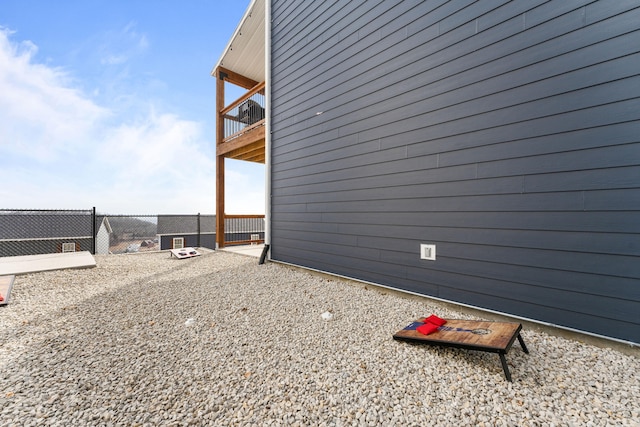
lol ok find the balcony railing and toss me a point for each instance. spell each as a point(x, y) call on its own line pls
point(243, 229)
point(244, 114)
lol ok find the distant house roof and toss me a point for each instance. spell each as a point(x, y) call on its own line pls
point(45, 225)
point(185, 224)
point(102, 219)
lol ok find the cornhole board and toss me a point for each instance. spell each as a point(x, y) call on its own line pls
point(6, 283)
point(184, 253)
point(492, 337)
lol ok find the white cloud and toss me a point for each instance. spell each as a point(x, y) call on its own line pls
point(41, 116)
point(161, 143)
point(59, 149)
point(244, 193)
point(119, 46)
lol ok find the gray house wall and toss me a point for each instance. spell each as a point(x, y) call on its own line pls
point(206, 240)
point(505, 133)
point(31, 232)
point(196, 230)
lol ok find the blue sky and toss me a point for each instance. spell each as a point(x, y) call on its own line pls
point(110, 103)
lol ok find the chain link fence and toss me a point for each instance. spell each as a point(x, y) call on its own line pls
point(32, 232)
point(131, 234)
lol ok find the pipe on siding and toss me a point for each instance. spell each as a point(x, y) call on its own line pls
point(267, 133)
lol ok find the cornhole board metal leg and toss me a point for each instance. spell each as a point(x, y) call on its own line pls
point(522, 344)
point(503, 358)
point(505, 367)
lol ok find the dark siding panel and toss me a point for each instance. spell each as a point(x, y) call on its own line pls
point(474, 63)
point(506, 133)
point(591, 222)
point(190, 241)
point(306, 234)
point(554, 299)
point(611, 200)
point(449, 138)
point(565, 317)
point(36, 247)
point(573, 201)
point(626, 177)
point(455, 80)
point(208, 241)
point(359, 190)
point(596, 158)
point(567, 142)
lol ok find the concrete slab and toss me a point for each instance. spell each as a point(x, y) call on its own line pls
point(45, 262)
point(250, 250)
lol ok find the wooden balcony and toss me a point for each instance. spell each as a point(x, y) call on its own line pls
point(243, 126)
point(240, 135)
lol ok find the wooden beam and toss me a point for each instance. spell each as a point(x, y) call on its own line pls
point(257, 134)
point(245, 242)
point(249, 153)
point(255, 147)
point(256, 156)
point(246, 148)
point(235, 78)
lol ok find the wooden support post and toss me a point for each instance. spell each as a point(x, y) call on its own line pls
point(220, 201)
point(219, 159)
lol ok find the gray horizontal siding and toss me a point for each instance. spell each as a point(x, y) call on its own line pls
point(507, 133)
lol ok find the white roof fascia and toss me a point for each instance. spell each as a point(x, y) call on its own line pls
point(236, 33)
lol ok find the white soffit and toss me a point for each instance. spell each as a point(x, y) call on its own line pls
point(244, 53)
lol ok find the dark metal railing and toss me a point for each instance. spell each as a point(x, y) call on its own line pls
point(243, 229)
point(245, 113)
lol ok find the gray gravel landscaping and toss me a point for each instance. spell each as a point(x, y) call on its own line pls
point(147, 340)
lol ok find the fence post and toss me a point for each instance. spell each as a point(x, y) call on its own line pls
point(93, 230)
point(199, 229)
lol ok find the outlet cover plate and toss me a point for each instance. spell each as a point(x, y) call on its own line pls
point(428, 252)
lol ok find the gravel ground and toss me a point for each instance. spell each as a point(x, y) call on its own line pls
point(150, 340)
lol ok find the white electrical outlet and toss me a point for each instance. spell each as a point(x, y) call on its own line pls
point(428, 252)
